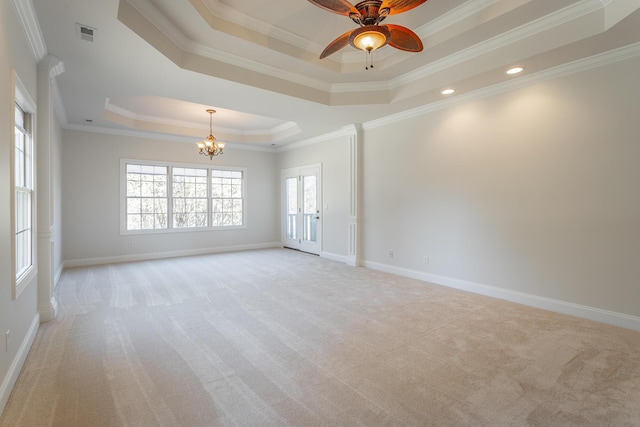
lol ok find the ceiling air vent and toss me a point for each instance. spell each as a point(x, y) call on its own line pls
point(86, 33)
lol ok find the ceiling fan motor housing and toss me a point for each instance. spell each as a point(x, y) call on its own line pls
point(370, 13)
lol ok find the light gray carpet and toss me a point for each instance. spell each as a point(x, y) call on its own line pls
point(277, 337)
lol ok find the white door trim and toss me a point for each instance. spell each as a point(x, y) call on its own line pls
point(299, 172)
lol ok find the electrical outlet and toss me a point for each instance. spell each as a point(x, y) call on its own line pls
point(391, 254)
point(425, 260)
point(133, 244)
point(6, 341)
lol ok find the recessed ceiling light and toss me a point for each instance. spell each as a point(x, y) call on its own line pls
point(515, 70)
point(447, 91)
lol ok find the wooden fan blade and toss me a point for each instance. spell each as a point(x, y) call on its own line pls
point(336, 45)
point(403, 38)
point(341, 7)
point(399, 6)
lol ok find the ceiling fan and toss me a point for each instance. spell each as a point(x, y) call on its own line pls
point(371, 35)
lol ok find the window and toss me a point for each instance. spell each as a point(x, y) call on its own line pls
point(190, 202)
point(161, 197)
point(146, 197)
point(226, 192)
point(23, 186)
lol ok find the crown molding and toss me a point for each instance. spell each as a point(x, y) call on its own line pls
point(257, 67)
point(530, 29)
point(465, 11)
point(166, 27)
point(29, 21)
point(274, 134)
point(610, 57)
point(453, 16)
point(156, 136)
point(160, 22)
point(231, 15)
point(602, 59)
point(158, 120)
point(346, 131)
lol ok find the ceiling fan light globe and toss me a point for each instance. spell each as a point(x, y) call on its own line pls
point(369, 41)
point(369, 37)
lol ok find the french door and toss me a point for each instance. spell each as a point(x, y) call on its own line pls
point(301, 196)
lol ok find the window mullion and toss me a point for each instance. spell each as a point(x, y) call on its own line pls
point(209, 199)
point(170, 197)
point(184, 196)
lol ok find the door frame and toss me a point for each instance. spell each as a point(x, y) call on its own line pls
point(314, 248)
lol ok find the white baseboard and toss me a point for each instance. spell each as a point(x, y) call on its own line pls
point(16, 366)
point(84, 262)
point(558, 306)
point(333, 257)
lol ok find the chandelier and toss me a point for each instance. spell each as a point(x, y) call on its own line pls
point(209, 147)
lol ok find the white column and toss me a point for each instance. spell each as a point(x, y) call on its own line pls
point(48, 69)
point(354, 220)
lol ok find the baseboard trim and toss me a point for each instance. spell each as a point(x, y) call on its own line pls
point(558, 306)
point(85, 262)
point(333, 257)
point(16, 366)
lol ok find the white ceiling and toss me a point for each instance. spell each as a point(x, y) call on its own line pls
point(155, 66)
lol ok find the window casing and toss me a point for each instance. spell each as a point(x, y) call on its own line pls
point(146, 197)
point(167, 197)
point(227, 197)
point(23, 185)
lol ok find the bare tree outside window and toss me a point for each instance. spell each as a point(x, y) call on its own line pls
point(190, 204)
point(227, 200)
point(165, 197)
point(146, 197)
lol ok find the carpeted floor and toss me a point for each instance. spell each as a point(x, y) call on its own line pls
point(278, 337)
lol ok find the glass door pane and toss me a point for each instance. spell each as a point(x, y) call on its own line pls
point(310, 209)
point(291, 188)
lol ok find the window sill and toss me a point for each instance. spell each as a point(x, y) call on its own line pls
point(23, 281)
point(182, 230)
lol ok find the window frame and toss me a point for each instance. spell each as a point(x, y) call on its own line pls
point(170, 200)
point(20, 98)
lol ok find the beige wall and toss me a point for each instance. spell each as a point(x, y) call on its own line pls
point(333, 154)
point(534, 191)
point(91, 199)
